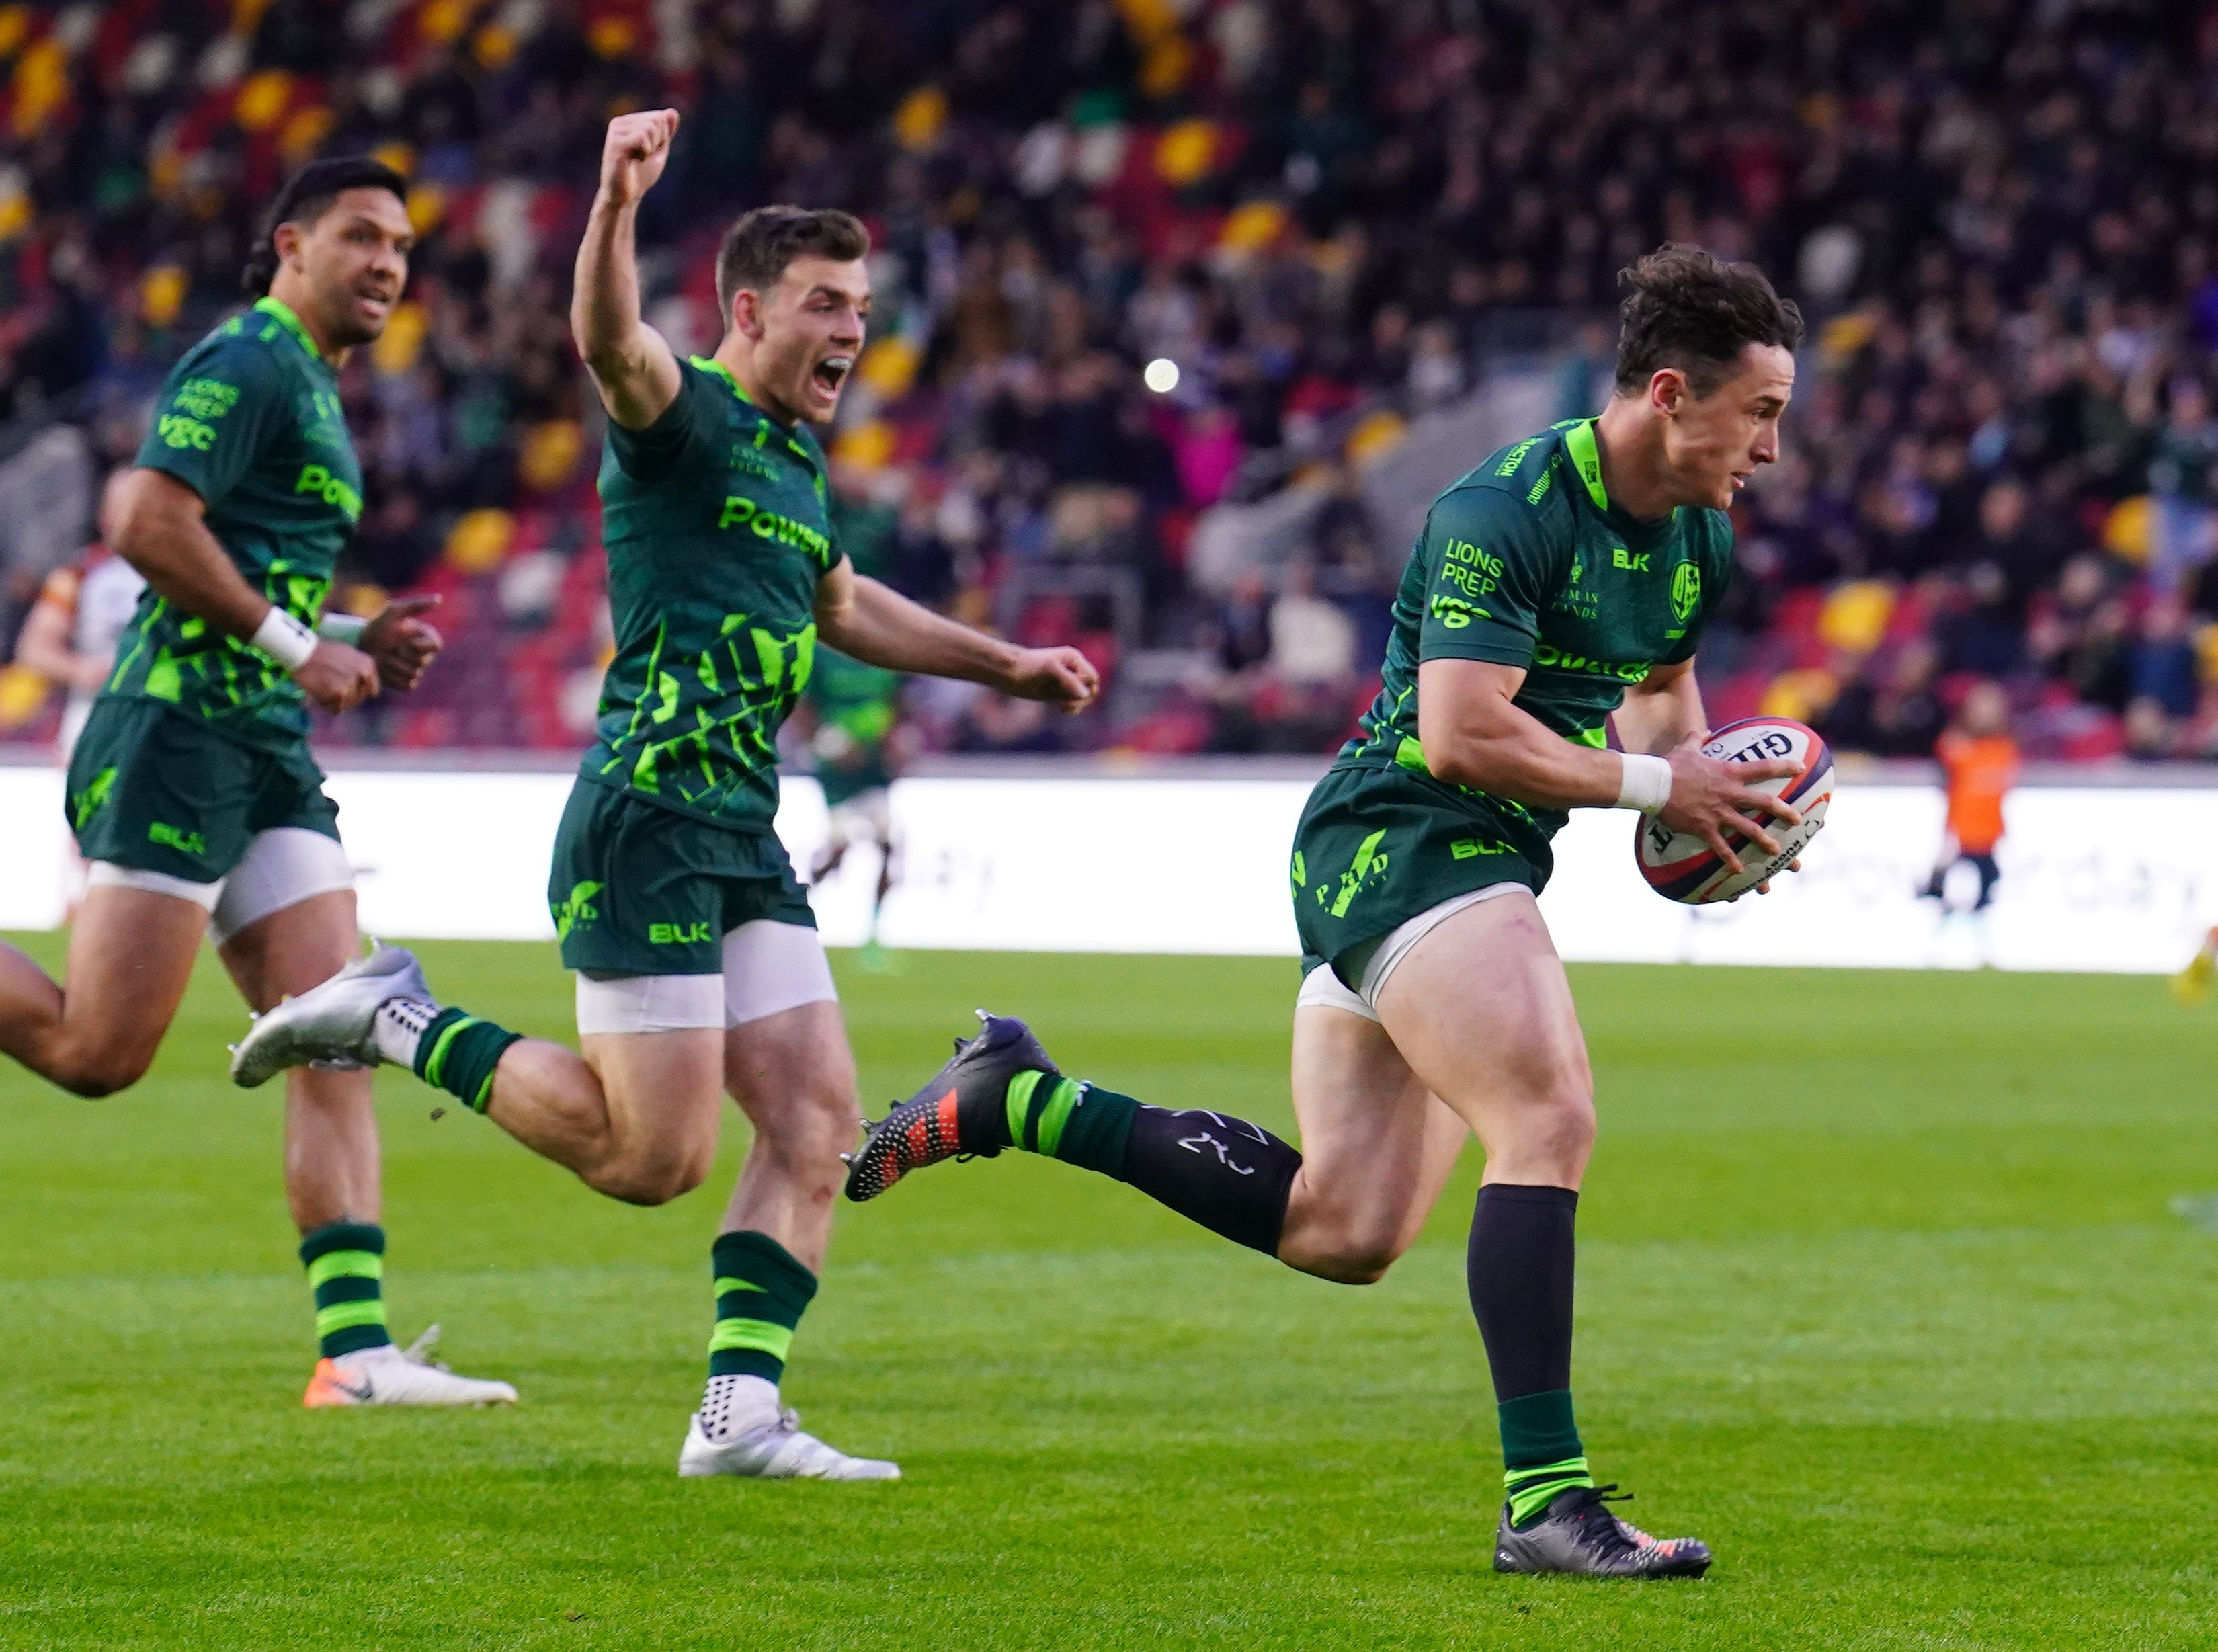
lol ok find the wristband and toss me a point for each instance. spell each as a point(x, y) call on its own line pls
point(284, 639)
point(343, 628)
point(1645, 783)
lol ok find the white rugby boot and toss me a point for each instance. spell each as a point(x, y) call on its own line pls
point(763, 1442)
point(331, 1025)
point(391, 1375)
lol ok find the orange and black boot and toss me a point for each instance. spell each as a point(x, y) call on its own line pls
point(963, 1112)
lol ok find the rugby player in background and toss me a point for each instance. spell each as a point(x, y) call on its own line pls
point(191, 790)
point(853, 748)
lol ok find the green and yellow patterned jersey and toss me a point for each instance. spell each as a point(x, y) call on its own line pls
point(717, 530)
point(249, 420)
point(1526, 562)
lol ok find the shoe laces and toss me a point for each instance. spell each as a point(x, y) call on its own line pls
point(419, 1352)
point(787, 1422)
point(1597, 1529)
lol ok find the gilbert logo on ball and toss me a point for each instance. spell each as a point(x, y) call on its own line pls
point(1684, 868)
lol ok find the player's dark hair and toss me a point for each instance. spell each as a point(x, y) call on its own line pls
point(757, 249)
point(306, 196)
point(1685, 309)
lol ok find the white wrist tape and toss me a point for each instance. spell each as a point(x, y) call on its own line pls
point(342, 628)
point(1645, 783)
point(284, 639)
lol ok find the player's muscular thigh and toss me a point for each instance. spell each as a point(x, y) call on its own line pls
point(646, 1132)
point(1483, 1012)
point(130, 954)
point(1376, 1148)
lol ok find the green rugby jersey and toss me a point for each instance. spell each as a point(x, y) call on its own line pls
point(718, 531)
point(249, 420)
point(1526, 562)
point(856, 707)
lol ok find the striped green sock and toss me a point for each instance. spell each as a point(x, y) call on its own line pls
point(1075, 1123)
point(1540, 1453)
point(458, 1053)
point(346, 1263)
point(761, 1292)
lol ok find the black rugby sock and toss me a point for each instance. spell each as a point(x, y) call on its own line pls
point(1519, 1267)
point(1232, 1177)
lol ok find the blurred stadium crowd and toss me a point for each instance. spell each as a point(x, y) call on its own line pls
point(1336, 220)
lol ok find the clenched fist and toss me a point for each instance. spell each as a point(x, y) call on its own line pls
point(634, 153)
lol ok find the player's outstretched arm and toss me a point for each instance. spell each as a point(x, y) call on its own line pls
point(879, 627)
point(161, 532)
point(1475, 735)
point(631, 363)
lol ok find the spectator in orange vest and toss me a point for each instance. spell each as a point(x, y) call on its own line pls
point(1982, 762)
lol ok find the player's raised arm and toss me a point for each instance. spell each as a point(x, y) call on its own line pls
point(161, 531)
point(871, 622)
point(631, 363)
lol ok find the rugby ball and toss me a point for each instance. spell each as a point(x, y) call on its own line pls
point(1682, 867)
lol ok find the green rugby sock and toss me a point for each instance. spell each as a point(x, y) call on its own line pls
point(761, 1292)
point(346, 1264)
point(1231, 1176)
point(457, 1052)
point(1075, 1123)
point(1541, 1451)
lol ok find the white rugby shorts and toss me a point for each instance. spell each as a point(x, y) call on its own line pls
point(768, 966)
point(282, 868)
point(1323, 989)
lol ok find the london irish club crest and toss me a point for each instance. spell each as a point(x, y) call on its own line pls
point(1686, 591)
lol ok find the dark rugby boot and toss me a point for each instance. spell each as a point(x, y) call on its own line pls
point(1578, 1534)
point(961, 1112)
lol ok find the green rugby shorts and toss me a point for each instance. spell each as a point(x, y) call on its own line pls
point(155, 791)
point(1376, 846)
point(638, 889)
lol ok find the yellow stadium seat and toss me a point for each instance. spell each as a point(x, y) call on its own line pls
point(480, 540)
point(1855, 615)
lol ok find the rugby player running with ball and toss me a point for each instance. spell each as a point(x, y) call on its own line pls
point(699, 968)
point(191, 790)
point(1562, 582)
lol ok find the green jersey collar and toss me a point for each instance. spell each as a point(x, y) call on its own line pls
point(282, 314)
point(709, 364)
point(1586, 457)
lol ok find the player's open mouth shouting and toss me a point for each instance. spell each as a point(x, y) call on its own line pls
point(830, 373)
point(827, 375)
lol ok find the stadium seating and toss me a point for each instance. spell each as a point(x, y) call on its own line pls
point(2000, 464)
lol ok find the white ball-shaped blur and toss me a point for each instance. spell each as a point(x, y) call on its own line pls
point(1161, 375)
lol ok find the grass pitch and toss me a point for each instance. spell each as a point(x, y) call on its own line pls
point(1881, 1294)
